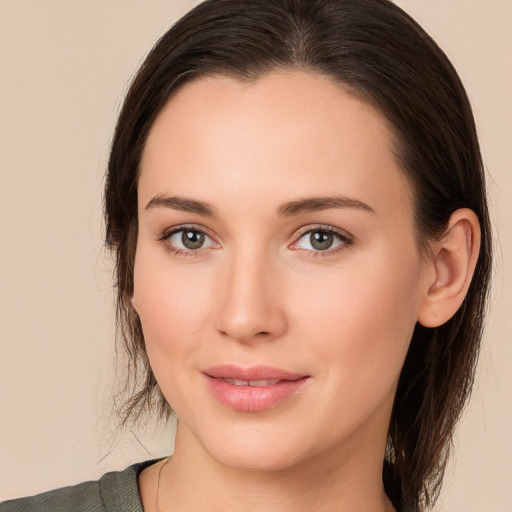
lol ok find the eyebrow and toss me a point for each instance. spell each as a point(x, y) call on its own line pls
point(311, 204)
point(182, 204)
point(314, 204)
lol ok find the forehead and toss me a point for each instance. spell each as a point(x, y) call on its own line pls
point(289, 131)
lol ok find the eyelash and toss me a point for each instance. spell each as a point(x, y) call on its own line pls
point(343, 237)
point(165, 240)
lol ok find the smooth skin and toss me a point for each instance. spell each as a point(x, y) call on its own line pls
point(230, 165)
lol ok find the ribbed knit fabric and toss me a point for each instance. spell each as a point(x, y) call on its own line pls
point(114, 492)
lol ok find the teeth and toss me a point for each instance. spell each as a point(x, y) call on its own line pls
point(255, 383)
point(236, 382)
point(265, 382)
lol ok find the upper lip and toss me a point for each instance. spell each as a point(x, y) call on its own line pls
point(253, 373)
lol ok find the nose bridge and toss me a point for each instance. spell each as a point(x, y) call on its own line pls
point(250, 306)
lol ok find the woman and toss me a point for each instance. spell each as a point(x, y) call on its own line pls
point(296, 203)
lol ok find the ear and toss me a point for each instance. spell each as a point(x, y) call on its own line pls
point(132, 300)
point(454, 259)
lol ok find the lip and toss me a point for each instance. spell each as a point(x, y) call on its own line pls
point(253, 398)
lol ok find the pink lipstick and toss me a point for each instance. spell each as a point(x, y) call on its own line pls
point(253, 389)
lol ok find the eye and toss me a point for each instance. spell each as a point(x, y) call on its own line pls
point(186, 240)
point(322, 240)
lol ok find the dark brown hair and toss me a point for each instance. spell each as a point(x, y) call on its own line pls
point(376, 51)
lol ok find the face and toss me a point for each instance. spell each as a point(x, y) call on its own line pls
point(277, 275)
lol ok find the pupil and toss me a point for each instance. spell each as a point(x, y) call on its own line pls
point(321, 240)
point(192, 239)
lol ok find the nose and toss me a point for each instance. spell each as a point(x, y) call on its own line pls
point(252, 305)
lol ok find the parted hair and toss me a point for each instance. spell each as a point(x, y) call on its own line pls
point(375, 51)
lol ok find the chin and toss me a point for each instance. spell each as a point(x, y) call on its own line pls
point(255, 459)
point(257, 448)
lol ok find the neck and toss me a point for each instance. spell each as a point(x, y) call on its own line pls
point(192, 480)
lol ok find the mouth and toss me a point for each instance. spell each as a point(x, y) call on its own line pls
point(253, 389)
point(254, 383)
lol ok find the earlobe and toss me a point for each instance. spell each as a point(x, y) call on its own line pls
point(454, 261)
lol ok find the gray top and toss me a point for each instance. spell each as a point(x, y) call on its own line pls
point(116, 491)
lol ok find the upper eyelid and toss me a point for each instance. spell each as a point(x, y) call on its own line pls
point(299, 233)
point(322, 227)
point(182, 227)
point(165, 240)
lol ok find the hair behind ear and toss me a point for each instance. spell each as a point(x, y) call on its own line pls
point(438, 372)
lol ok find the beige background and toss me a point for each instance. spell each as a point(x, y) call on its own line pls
point(64, 66)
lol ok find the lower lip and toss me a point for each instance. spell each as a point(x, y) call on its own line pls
point(254, 398)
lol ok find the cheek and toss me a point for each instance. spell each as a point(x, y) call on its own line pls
point(169, 299)
point(362, 319)
point(173, 306)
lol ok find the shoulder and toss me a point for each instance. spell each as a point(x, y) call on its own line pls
point(84, 497)
point(114, 492)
